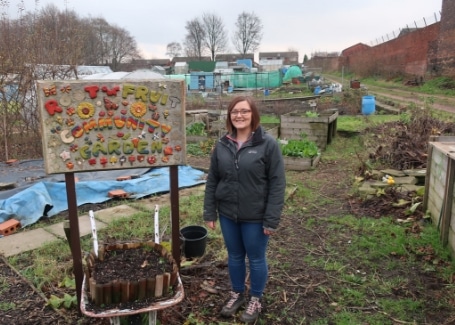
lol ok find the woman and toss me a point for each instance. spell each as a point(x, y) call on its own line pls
point(245, 189)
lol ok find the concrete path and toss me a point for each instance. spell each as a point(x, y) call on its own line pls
point(27, 240)
point(31, 239)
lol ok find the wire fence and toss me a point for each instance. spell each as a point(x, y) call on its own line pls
point(424, 22)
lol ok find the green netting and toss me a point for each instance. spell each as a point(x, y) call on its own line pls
point(244, 80)
point(256, 80)
point(185, 77)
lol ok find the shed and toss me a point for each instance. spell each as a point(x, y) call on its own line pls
point(271, 65)
point(181, 68)
point(201, 81)
point(202, 66)
point(247, 62)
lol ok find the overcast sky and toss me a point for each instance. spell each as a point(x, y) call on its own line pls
point(301, 25)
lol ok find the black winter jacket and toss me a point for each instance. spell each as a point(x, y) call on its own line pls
point(246, 185)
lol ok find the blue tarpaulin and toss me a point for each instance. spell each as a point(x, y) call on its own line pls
point(46, 197)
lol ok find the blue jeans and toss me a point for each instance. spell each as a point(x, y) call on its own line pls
point(245, 239)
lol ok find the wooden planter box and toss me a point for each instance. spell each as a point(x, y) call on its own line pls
point(272, 128)
point(439, 199)
point(125, 290)
point(319, 129)
point(299, 164)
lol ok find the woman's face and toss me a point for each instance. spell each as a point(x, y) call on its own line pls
point(241, 115)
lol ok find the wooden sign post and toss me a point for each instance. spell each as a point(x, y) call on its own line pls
point(101, 125)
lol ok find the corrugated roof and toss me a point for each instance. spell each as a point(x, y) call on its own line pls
point(205, 66)
point(138, 74)
point(271, 62)
point(87, 69)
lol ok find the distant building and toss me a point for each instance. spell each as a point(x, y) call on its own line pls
point(180, 68)
point(234, 57)
point(189, 59)
point(267, 65)
point(288, 58)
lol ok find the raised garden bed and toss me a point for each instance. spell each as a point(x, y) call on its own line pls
point(302, 154)
point(300, 164)
point(130, 278)
point(320, 129)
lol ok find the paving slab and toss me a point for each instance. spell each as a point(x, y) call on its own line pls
point(110, 214)
point(25, 241)
point(85, 227)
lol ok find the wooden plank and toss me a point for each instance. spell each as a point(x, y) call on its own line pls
point(299, 164)
point(320, 129)
point(448, 199)
point(75, 242)
point(429, 165)
point(295, 133)
point(274, 132)
point(427, 178)
point(308, 131)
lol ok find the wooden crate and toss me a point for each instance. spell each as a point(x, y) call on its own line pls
point(320, 130)
point(439, 199)
point(299, 164)
point(272, 128)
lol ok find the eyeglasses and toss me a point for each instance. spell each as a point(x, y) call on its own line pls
point(242, 112)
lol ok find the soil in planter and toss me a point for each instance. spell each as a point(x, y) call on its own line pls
point(130, 264)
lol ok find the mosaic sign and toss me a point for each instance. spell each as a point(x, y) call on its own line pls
point(101, 125)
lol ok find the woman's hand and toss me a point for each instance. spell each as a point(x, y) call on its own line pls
point(211, 224)
point(268, 232)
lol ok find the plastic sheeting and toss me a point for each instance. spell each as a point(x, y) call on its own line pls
point(293, 72)
point(38, 195)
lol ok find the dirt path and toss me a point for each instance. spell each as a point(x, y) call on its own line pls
point(404, 97)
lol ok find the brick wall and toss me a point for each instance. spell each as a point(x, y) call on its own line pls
point(443, 61)
point(326, 63)
point(407, 54)
point(428, 51)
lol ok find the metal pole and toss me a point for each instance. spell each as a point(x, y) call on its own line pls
point(342, 77)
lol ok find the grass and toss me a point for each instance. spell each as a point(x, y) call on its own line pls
point(358, 123)
point(375, 246)
point(269, 119)
point(5, 305)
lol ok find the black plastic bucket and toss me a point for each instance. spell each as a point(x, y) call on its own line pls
point(194, 240)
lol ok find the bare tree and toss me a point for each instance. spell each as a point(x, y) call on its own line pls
point(215, 34)
point(57, 35)
point(122, 47)
point(96, 31)
point(19, 129)
point(194, 39)
point(107, 44)
point(248, 34)
point(47, 44)
point(174, 49)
